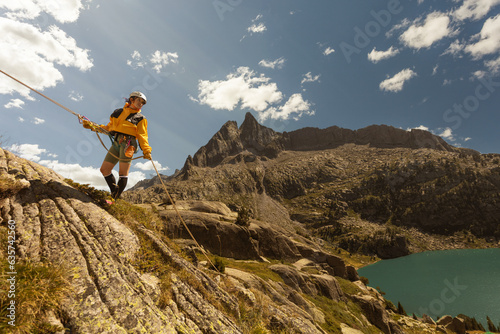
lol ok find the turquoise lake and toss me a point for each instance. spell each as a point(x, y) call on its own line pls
point(442, 282)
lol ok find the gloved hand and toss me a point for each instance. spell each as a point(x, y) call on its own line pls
point(87, 124)
point(147, 155)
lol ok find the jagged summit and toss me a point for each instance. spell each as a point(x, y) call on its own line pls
point(260, 140)
point(254, 136)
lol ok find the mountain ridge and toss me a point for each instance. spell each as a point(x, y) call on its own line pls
point(260, 140)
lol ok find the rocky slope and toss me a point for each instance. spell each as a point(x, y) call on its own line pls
point(57, 224)
point(110, 291)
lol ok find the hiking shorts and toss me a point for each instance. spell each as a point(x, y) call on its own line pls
point(119, 148)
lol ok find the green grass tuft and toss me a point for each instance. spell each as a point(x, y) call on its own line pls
point(40, 288)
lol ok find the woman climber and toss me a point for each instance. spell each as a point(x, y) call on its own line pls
point(128, 125)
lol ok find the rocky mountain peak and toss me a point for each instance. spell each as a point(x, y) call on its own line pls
point(253, 133)
point(257, 138)
point(225, 142)
point(260, 140)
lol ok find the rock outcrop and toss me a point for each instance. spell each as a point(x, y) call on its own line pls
point(213, 225)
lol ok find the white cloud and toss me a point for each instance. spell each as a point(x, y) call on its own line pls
point(328, 51)
point(435, 69)
point(38, 121)
point(160, 59)
point(254, 92)
point(455, 49)
point(493, 65)
point(308, 77)
point(396, 83)
point(421, 127)
point(278, 63)
point(424, 100)
point(136, 60)
point(88, 175)
point(21, 9)
point(474, 9)
point(423, 34)
point(375, 56)
point(148, 166)
point(405, 23)
point(30, 55)
point(258, 17)
point(447, 133)
point(257, 28)
point(62, 10)
point(446, 82)
point(157, 60)
point(75, 96)
point(14, 103)
point(20, 119)
point(467, 138)
point(27, 151)
point(294, 105)
point(478, 75)
point(488, 39)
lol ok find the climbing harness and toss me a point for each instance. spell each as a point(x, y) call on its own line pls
point(97, 129)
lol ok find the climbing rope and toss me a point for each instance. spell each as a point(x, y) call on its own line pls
point(182, 220)
point(48, 98)
point(97, 129)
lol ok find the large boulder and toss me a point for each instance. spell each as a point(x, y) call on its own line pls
point(323, 285)
point(376, 314)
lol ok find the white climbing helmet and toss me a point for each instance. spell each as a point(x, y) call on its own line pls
point(139, 94)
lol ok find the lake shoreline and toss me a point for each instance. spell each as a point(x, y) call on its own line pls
point(419, 242)
point(441, 282)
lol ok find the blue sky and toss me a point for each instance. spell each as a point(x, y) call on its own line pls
point(410, 64)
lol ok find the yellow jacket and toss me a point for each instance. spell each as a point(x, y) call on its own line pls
point(130, 122)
